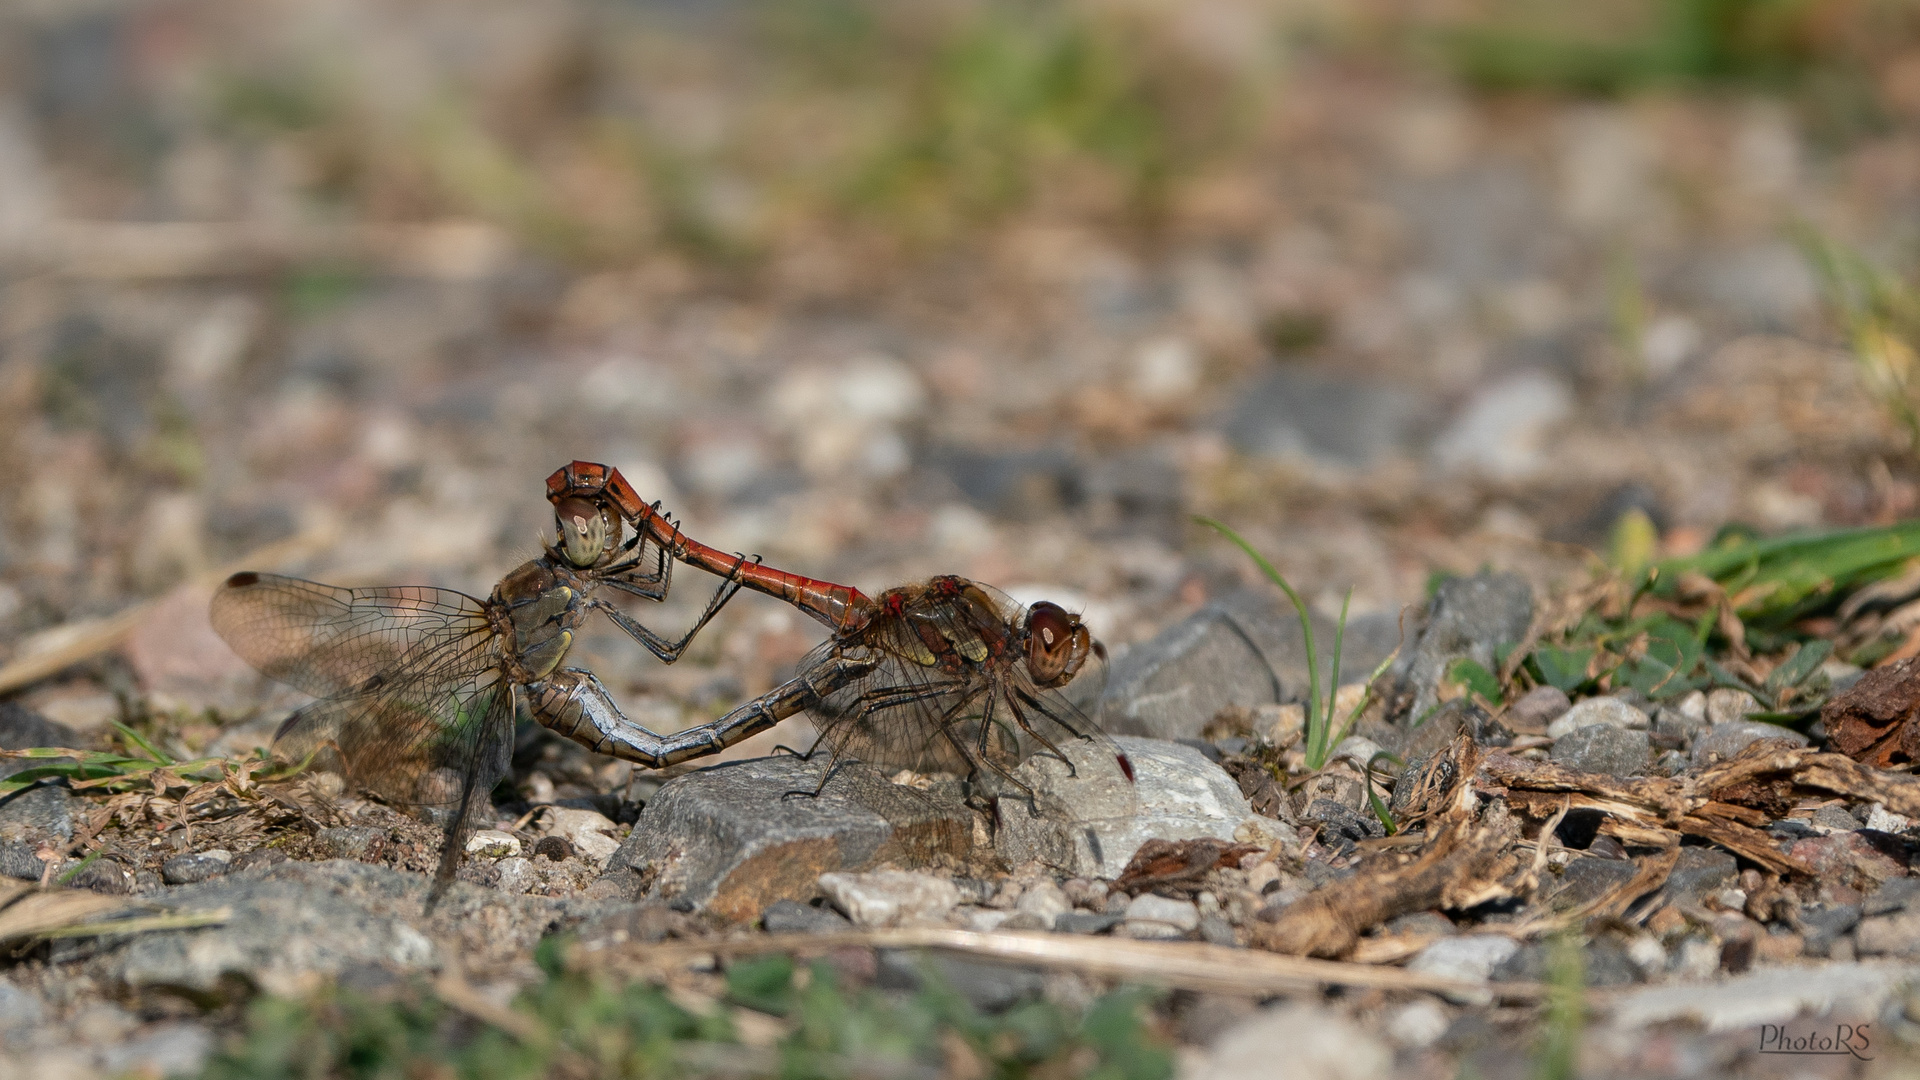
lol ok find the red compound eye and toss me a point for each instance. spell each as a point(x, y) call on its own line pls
point(1057, 645)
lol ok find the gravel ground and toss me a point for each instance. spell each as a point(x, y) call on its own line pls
point(1402, 328)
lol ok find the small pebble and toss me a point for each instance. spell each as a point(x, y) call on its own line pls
point(1726, 705)
point(890, 897)
point(1086, 922)
point(1599, 710)
point(493, 844)
point(553, 848)
point(196, 867)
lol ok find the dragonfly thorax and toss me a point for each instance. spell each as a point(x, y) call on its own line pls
point(535, 609)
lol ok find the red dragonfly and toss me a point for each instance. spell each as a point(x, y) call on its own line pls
point(948, 675)
point(420, 688)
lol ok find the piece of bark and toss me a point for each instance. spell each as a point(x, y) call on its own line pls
point(1874, 720)
point(1179, 865)
point(1454, 870)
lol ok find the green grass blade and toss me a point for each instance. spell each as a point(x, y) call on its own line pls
point(1317, 745)
point(140, 741)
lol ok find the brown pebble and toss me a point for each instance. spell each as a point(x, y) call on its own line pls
point(555, 848)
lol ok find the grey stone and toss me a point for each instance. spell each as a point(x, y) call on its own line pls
point(22, 729)
point(793, 917)
point(1604, 963)
point(1468, 618)
point(1602, 748)
point(1182, 915)
point(1698, 873)
point(1292, 413)
point(1829, 819)
point(1244, 649)
point(20, 860)
point(1537, 708)
point(43, 812)
point(1087, 922)
point(1895, 894)
point(1216, 930)
point(991, 988)
point(1896, 934)
point(1823, 926)
point(20, 1011)
point(292, 922)
point(1678, 726)
point(1726, 705)
point(352, 841)
point(195, 867)
point(1344, 826)
point(1294, 1039)
point(1502, 430)
point(1589, 879)
point(176, 1049)
point(732, 839)
point(886, 898)
point(1769, 995)
point(1092, 819)
point(1472, 957)
point(1723, 741)
point(1608, 711)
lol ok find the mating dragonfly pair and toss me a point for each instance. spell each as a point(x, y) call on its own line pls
point(420, 689)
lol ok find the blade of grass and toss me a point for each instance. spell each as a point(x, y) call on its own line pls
point(1316, 748)
point(140, 741)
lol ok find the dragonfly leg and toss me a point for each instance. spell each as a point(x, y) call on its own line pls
point(660, 647)
point(1021, 719)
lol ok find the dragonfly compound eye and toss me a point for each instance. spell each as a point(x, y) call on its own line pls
point(585, 533)
point(1057, 645)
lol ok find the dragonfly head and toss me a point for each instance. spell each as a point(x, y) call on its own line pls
point(588, 530)
point(1057, 644)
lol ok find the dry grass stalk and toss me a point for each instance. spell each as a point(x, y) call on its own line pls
point(1182, 965)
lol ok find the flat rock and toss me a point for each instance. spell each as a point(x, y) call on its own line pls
point(1700, 872)
point(732, 840)
point(1722, 741)
point(1294, 1041)
point(891, 897)
point(1766, 996)
point(196, 867)
point(297, 920)
point(1896, 935)
point(45, 811)
point(1468, 618)
point(1092, 819)
point(1294, 414)
point(1243, 649)
point(1857, 859)
point(1472, 957)
point(794, 917)
point(1603, 748)
point(1537, 708)
point(1182, 915)
point(1610, 711)
point(1589, 879)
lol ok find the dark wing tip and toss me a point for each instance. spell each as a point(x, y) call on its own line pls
point(1126, 766)
point(243, 579)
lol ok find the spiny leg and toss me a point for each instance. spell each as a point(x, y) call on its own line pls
point(657, 645)
point(1021, 719)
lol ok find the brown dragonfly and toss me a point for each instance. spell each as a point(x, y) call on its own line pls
point(420, 689)
point(947, 675)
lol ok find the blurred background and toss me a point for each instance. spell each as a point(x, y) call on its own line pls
point(882, 290)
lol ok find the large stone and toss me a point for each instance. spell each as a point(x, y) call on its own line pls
point(1722, 741)
point(1608, 711)
point(290, 923)
point(1294, 1041)
point(1588, 879)
point(1603, 748)
point(1091, 818)
point(735, 838)
point(44, 811)
point(1297, 414)
point(1243, 649)
point(1468, 619)
point(1700, 872)
point(891, 897)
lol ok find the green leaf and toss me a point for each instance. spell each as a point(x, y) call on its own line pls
point(1467, 672)
point(1562, 668)
point(1799, 667)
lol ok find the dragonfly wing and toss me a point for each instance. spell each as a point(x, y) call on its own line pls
point(416, 730)
point(325, 640)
